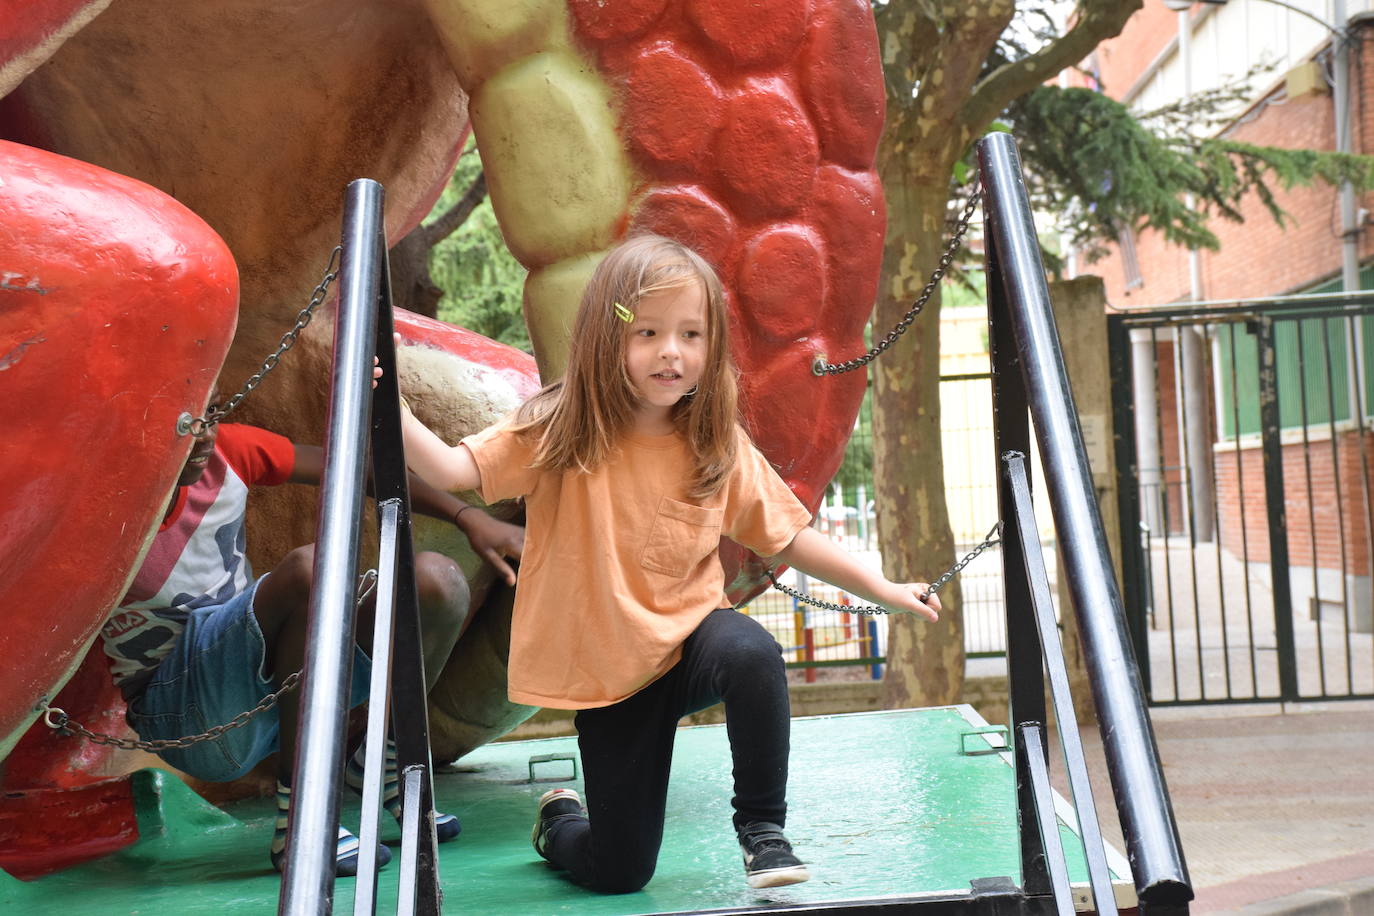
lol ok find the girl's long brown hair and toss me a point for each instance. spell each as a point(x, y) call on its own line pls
point(579, 420)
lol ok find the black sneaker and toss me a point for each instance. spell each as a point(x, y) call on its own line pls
point(768, 858)
point(554, 805)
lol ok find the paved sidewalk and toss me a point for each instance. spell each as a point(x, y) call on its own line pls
point(1275, 805)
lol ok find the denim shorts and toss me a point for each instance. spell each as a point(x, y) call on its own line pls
point(213, 673)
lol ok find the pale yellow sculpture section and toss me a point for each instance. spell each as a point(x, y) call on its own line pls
point(557, 172)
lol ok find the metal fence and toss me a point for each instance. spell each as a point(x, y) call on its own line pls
point(816, 640)
point(1244, 437)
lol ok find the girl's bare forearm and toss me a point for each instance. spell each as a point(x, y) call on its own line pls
point(448, 467)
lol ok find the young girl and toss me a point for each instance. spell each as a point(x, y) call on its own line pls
point(632, 468)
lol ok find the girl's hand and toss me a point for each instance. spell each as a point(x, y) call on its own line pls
point(376, 367)
point(906, 599)
point(493, 540)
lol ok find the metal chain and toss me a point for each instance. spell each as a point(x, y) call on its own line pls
point(58, 720)
point(196, 426)
point(63, 723)
point(821, 367)
point(988, 541)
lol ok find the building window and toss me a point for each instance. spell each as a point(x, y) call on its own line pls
point(1312, 359)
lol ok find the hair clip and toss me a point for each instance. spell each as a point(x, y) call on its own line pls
point(623, 313)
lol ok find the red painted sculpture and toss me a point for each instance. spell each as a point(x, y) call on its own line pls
point(745, 129)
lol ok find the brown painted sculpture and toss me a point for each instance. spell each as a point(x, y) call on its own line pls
point(746, 129)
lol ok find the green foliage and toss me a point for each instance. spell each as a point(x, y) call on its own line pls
point(1104, 170)
point(969, 290)
point(857, 467)
point(483, 284)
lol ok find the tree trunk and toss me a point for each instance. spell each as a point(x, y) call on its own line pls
point(939, 50)
point(925, 661)
point(411, 286)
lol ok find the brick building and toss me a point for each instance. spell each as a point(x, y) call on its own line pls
point(1195, 405)
point(1139, 67)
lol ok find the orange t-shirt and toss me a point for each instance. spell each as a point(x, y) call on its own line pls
point(619, 566)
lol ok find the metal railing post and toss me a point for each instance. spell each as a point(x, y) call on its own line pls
point(1047, 632)
point(1142, 799)
point(1025, 663)
point(308, 885)
point(409, 691)
point(1276, 511)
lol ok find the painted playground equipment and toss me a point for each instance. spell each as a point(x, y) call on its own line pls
point(148, 220)
point(748, 128)
point(1041, 845)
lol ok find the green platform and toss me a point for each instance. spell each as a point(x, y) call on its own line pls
point(883, 805)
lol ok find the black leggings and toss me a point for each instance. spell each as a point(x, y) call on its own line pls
point(627, 751)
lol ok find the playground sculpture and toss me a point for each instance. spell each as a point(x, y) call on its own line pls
point(161, 162)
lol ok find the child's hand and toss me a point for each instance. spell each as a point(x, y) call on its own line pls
point(376, 361)
point(906, 599)
point(493, 540)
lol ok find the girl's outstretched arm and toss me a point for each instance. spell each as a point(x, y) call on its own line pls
point(448, 467)
point(816, 555)
point(491, 538)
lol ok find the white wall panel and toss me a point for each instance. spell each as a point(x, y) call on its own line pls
point(1228, 40)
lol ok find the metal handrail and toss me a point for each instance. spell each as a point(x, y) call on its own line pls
point(1033, 568)
point(309, 878)
point(363, 329)
point(378, 710)
point(1031, 359)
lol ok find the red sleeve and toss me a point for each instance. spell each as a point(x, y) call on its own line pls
point(256, 455)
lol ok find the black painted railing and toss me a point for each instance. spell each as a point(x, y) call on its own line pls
point(363, 329)
point(1030, 382)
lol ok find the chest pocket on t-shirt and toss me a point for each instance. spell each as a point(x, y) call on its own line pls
point(681, 537)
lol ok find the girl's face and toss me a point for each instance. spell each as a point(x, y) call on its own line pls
point(666, 353)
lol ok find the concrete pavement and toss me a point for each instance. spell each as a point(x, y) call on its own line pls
point(1274, 804)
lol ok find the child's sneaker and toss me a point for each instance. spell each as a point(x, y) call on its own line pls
point(554, 805)
point(768, 858)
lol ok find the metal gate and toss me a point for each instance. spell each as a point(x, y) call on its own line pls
point(1243, 440)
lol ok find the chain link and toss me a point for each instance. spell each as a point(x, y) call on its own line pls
point(58, 720)
point(821, 367)
point(196, 426)
point(989, 540)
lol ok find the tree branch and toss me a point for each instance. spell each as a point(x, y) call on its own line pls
point(964, 43)
point(1096, 20)
point(456, 215)
point(908, 33)
point(948, 41)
